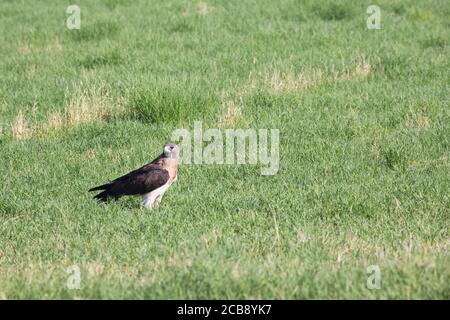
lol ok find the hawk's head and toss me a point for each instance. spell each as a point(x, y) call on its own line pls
point(171, 150)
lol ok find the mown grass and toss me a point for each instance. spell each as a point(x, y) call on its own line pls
point(363, 120)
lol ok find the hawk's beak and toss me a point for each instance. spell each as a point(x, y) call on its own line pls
point(168, 152)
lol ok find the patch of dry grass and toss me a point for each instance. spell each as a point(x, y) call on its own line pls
point(418, 120)
point(360, 71)
point(19, 127)
point(203, 8)
point(82, 108)
point(280, 82)
point(232, 113)
point(290, 81)
point(94, 268)
point(53, 46)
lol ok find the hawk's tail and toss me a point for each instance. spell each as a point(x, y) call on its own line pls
point(102, 187)
point(106, 194)
point(102, 196)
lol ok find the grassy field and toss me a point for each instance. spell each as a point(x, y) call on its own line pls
point(364, 149)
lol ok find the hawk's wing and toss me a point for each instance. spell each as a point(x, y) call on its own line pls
point(139, 181)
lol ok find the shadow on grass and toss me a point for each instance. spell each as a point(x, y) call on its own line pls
point(96, 31)
point(107, 59)
point(171, 105)
point(335, 11)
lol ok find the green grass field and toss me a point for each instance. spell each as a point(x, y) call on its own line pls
point(364, 149)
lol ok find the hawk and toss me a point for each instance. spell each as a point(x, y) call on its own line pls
point(150, 181)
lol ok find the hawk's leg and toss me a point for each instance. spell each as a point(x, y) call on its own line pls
point(157, 201)
point(152, 200)
point(148, 200)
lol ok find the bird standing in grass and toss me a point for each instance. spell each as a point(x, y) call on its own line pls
point(150, 181)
